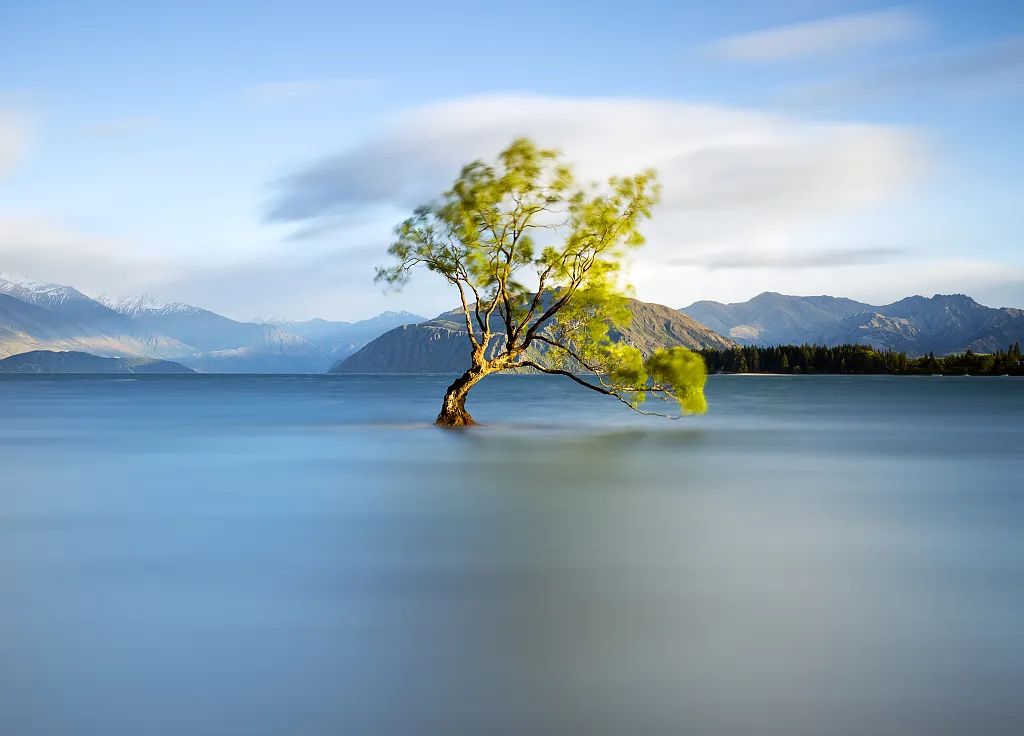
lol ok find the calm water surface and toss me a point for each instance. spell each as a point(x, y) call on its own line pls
point(307, 555)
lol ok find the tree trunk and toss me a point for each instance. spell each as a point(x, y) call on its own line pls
point(453, 407)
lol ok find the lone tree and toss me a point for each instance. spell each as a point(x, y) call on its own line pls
point(535, 258)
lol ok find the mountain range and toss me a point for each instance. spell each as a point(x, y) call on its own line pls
point(39, 316)
point(916, 325)
point(440, 345)
point(44, 316)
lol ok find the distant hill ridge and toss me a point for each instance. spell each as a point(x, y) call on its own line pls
point(440, 345)
point(51, 361)
point(943, 324)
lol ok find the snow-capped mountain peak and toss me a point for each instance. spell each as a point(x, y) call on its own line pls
point(18, 279)
point(37, 292)
point(144, 304)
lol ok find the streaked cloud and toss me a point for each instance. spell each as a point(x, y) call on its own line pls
point(821, 37)
point(268, 93)
point(125, 127)
point(710, 158)
point(335, 284)
point(15, 140)
point(793, 259)
point(993, 283)
point(733, 179)
point(47, 249)
point(993, 68)
point(738, 184)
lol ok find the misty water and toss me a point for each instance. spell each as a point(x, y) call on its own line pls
point(307, 555)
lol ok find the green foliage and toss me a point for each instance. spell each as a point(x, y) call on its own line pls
point(626, 368)
point(681, 367)
point(537, 257)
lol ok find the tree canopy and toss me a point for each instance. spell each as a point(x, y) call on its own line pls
point(536, 260)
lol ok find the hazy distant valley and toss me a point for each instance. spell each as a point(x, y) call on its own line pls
point(43, 316)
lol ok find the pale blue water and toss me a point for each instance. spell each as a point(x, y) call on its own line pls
point(307, 555)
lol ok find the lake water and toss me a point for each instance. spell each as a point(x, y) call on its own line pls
point(307, 555)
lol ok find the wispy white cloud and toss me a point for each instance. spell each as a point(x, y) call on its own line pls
point(15, 140)
point(992, 68)
point(303, 89)
point(296, 284)
point(798, 259)
point(819, 37)
point(710, 158)
point(993, 283)
point(49, 250)
point(125, 127)
point(737, 184)
point(337, 283)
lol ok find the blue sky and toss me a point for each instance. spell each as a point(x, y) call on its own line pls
point(253, 157)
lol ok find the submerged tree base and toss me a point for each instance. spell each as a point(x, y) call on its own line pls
point(455, 420)
point(453, 409)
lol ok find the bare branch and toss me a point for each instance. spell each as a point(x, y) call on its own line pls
point(465, 313)
point(567, 374)
point(579, 359)
point(593, 387)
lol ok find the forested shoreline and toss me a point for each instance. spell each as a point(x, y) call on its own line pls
point(860, 359)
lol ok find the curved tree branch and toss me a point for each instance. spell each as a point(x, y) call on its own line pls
point(598, 389)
